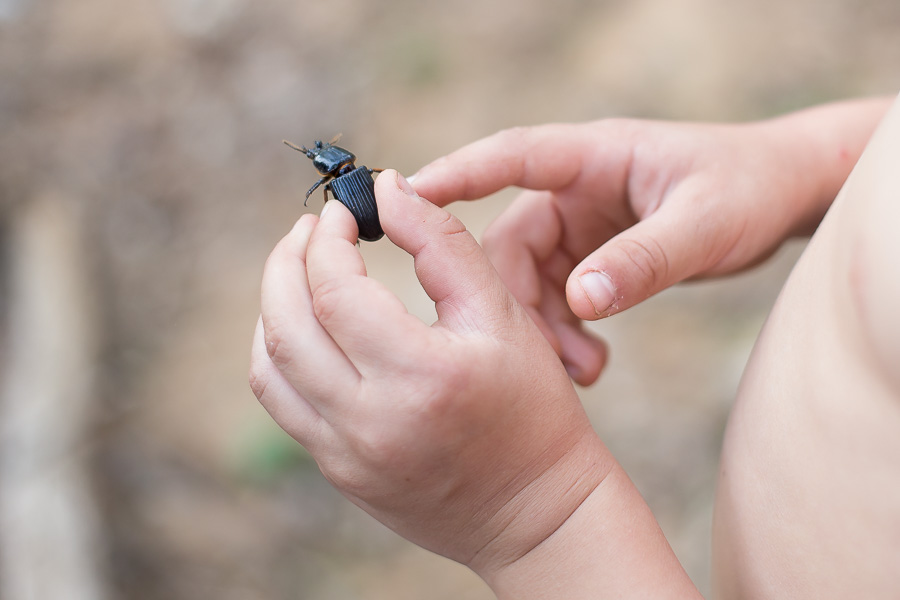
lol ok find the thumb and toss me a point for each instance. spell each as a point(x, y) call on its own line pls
point(452, 268)
point(667, 247)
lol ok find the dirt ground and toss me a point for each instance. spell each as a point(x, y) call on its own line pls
point(154, 129)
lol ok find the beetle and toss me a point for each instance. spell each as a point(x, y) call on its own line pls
point(352, 186)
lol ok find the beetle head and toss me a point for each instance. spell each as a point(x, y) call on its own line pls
point(309, 153)
point(328, 159)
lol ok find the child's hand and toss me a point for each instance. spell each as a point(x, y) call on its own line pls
point(618, 210)
point(465, 437)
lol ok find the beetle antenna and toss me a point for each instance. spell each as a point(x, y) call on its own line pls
point(335, 139)
point(302, 149)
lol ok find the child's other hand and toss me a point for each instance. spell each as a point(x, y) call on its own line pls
point(465, 437)
point(618, 210)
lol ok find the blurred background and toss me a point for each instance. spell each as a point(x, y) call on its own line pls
point(143, 183)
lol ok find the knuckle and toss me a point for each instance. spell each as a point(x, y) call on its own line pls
point(650, 258)
point(449, 231)
point(379, 448)
point(345, 476)
point(464, 243)
point(259, 380)
point(326, 299)
point(449, 224)
point(369, 456)
point(276, 342)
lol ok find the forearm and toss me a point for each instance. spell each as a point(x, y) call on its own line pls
point(821, 145)
point(610, 547)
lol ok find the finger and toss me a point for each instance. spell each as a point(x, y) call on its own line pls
point(517, 243)
point(280, 399)
point(520, 240)
point(524, 245)
point(452, 268)
point(671, 245)
point(546, 157)
point(295, 340)
point(582, 353)
point(370, 325)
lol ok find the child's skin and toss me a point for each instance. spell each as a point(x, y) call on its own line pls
point(467, 437)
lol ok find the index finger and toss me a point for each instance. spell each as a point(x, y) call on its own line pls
point(367, 321)
point(544, 157)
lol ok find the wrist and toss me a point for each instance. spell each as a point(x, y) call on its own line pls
point(541, 508)
point(610, 547)
point(816, 149)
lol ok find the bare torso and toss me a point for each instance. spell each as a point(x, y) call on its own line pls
point(809, 495)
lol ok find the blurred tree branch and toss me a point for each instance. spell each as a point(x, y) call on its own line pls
point(50, 541)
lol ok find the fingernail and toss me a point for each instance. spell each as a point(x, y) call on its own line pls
point(599, 289)
point(404, 185)
point(412, 178)
point(325, 208)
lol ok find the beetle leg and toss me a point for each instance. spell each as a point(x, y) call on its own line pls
point(313, 188)
point(325, 191)
point(375, 171)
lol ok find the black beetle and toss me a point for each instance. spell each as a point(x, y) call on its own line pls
point(352, 186)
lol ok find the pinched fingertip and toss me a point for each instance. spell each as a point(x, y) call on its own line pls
point(405, 186)
point(450, 265)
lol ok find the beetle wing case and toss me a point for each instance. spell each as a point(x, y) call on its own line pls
point(356, 191)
